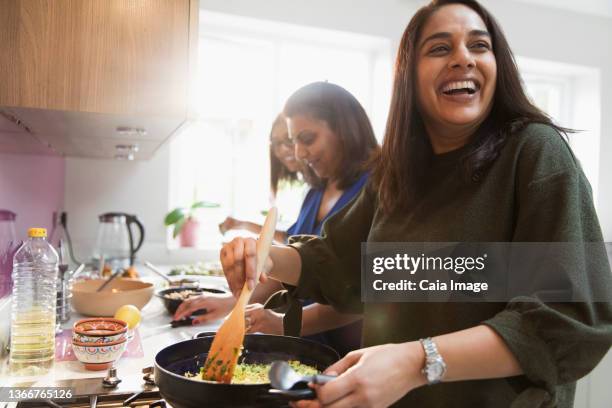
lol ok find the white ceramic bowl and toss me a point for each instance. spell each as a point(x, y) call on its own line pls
point(98, 356)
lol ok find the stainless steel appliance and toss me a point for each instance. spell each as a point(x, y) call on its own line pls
point(115, 242)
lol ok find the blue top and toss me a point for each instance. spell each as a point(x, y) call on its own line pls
point(306, 223)
point(346, 338)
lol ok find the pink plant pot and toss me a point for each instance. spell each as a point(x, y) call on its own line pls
point(189, 234)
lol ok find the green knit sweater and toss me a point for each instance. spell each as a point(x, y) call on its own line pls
point(535, 191)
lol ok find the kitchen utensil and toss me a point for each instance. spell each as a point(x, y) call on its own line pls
point(173, 304)
point(115, 240)
point(283, 377)
point(109, 280)
point(172, 362)
point(121, 291)
point(76, 272)
point(188, 321)
point(64, 281)
point(60, 239)
point(226, 347)
point(154, 269)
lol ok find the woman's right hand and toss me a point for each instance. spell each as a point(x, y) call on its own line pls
point(217, 306)
point(239, 260)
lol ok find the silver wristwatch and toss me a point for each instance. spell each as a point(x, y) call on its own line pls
point(435, 367)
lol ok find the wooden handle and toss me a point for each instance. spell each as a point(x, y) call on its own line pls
point(264, 242)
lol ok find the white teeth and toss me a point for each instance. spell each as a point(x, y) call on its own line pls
point(459, 85)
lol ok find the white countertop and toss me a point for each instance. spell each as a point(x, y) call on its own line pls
point(154, 335)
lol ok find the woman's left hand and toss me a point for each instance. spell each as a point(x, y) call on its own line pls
point(372, 377)
point(260, 320)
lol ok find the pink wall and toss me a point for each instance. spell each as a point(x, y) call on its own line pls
point(31, 186)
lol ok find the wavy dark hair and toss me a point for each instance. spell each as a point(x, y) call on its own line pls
point(401, 168)
point(345, 117)
point(278, 171)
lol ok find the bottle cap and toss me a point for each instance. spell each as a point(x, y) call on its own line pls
point(37, 232)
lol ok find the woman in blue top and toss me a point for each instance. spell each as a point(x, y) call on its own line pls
point(334, 139)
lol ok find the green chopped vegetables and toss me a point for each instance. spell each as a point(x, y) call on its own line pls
point(257, 373)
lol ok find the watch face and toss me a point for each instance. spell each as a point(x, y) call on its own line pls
point(434, 371)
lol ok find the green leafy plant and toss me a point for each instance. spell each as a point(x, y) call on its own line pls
point(180, 215)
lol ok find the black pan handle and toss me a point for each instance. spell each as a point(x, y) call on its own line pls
point(294, 395)
point(204, 334)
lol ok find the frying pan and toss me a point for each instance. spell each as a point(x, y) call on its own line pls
point(172, 362)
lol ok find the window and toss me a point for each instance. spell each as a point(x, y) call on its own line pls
point(570, 95)
point(247, 69)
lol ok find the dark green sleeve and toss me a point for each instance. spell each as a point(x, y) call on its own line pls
point(331, 264)
point(557, 343)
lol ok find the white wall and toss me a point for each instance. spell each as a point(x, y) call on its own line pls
point(94, 187)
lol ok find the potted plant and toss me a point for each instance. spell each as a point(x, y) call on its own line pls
point(185, 223)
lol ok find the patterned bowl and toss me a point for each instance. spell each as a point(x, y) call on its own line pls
point(98, 356)
point(99, 330)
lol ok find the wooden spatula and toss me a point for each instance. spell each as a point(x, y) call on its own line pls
point(227, 344)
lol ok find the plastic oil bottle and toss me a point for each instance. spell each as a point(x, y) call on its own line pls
point(35, 268)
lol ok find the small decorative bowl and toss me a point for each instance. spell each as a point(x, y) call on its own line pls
point(98, 356)
point(99, 330)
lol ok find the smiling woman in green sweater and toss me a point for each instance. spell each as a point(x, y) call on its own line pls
point(466, 158)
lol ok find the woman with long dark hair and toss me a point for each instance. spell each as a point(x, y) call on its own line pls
point(330, 136)
point(334, 140)
point(466, 158)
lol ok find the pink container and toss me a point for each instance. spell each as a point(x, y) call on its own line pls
point(189, 234)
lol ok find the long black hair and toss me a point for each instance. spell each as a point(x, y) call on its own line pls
point(345, 117)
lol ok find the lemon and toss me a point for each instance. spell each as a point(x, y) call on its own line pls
point(129, 314)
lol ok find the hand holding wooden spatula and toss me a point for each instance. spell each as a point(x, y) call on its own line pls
point(227, 344)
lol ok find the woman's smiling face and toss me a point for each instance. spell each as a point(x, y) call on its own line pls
point(282, 146)
point(316, 145)
point(456, 69)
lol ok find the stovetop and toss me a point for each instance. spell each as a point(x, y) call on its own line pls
point(134, 400)
point(132, 391)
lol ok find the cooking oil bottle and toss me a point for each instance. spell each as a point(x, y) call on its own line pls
point(35, 267)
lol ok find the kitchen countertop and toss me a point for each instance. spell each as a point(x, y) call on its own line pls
point(153, 338)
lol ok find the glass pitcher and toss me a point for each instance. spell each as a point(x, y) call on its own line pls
point(115, 243)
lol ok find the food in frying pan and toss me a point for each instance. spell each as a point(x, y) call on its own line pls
point(258, 373)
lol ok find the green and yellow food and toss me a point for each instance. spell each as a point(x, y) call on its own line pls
point(258, 373)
